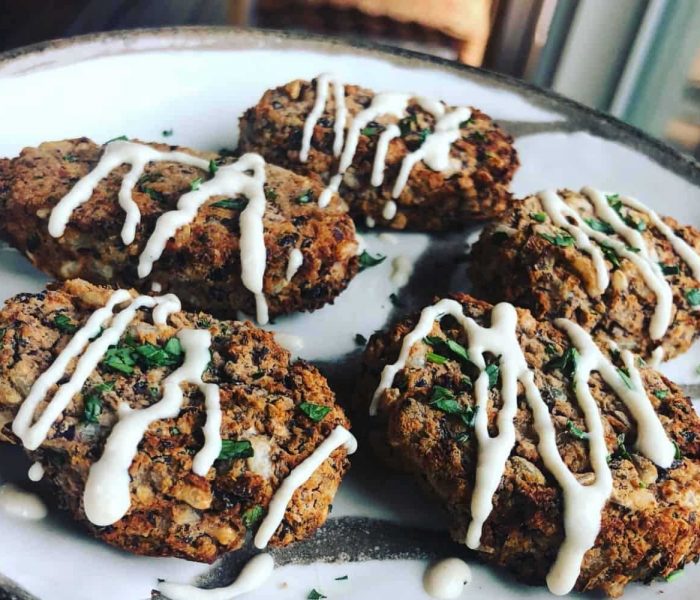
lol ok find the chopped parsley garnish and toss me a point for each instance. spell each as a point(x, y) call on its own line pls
point(213, 167)
point(423, 135)
point(625, 376)
point(93, 402)
point(407, 125)
point(367, 260)
point(315, 412)
point(71, 158)
point(360, 339)
point(599, 225)
point(614, 201)
point(661, 394)
point(152, 194)
point(499, 237)
point(173, 347)
point(444, 399)
point(119, 359)
point(235, 449)
point(638, 225)
point(692, 295)
point(314, 595)
point(121, 138)
point(166, 132)
point(195, 184)
point(174, 431)
point(270, 194)
point(540, 217)
point(575, 431)
point(435, 358)
point(563, 240)
point(674, 575)
point(305, 197)
point(670, 269)
point(610, 254)
point(232, 203)
point(343, 578)
point(477, 135)
point(64, 323)
point(566, 363)
point(252, 515)
point(492, 371)
point(621, 450)
point(677, 455)
point(466, 123)
point(455, 348)
point(369, 131)
point(155, 356)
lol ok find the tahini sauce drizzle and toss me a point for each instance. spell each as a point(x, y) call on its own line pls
point(645, 259)
point(246, 177)
point(446, 579)
point(298, 476)
point(582, 504)
point(435, 150)
point(256, 572)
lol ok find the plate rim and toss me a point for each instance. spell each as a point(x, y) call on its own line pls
point(211, 37)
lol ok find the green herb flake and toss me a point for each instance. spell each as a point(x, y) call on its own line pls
point(174, 431)
point(231, 203)
point(677, 455)
point(343, 578)
point(434, 358)
point(121, 138)
point(305, 197)
point(674, 575)
point(119, 359)
point(566, 363)
point(71, 158)
point(63, 323)
point(670, 269)
point(540, 217)
point(407, 125)
point(614, 201)
point(443, 399)
point(360, 339)
point(252, 515)
point(173, 347)
point(235, 449)
point(492, 371)
point(315, 412)
point(692, 295)
point(166, 132)
point(611, 255)
point(621, 450)
point(423, 135)
point(625, 376)
point(270, 194)
point(195, 184)
point(93, 408)
point(599, 225)
point(152, 194)
point(563, 240)
point(213, 167)
point(575, 431)
point(315, 595)
point(367, 260)
point(661, 394)
point(369, 131)
point(155, 356)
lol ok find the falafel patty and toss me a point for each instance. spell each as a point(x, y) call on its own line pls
point(574, 426)
point(603, 260)
point(471, 185)
point(275, 413)
point(202, 261)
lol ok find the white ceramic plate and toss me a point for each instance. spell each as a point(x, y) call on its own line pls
point(197, 81)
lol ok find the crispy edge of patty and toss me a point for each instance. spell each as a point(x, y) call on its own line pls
point(202, 262)
point(650, 525)
point(512, 262)
point(175, 512)
point(430, 201)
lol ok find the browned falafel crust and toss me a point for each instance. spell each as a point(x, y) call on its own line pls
point(650, 525)
point(175, 512)
point(430, 201)
point(513, 262)
point(201, 264)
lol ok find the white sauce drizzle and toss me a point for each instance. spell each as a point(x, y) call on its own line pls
point(297, 477)
point(16, 502)
point(388, 238)
point(229, 180)
point(657, 356)
point(296, 259)
point(582, 504)
point(107, 497)
point(370, 222)
point(401, 271)
point(156, 287)
point(36, 472)
point(445, 580)
point(289, 341)
point(645, 260)
point(256, 572)
point(435, 150)
point(389, 211)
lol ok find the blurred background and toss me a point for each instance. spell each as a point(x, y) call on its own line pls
point(636, 59)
